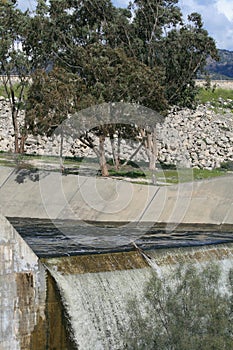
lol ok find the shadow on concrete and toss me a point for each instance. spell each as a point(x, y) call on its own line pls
point(23, 174)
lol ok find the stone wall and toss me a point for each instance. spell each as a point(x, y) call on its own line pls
point(200, 138)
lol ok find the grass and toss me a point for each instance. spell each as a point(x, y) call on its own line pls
point(16, 90)
point(2, 91)
point(166, 175)
point(217, 97)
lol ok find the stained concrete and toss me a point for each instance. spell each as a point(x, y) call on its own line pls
point(22, 290)
point(31, 311)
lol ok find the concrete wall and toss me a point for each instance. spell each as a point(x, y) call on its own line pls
point(55, 196)
point(22, 290)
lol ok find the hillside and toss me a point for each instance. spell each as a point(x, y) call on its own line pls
point(223, 69)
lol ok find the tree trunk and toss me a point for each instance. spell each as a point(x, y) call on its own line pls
point(151, 147)
point(22, 143)
point(114, 153)
point(16, 129)
point(102, 159)
point(61, 151)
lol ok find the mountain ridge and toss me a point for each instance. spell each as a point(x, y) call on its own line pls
point(222, 69)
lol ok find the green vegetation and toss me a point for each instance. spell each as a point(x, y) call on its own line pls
point(186, 309)
point(16, 88)
point(216, 97)
point(2, 90)
point(170, 176)
point(14, 61)
point(164, 175)
point(80, 54)
point(227, 166)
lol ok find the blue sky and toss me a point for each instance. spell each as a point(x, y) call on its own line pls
point(216, 14)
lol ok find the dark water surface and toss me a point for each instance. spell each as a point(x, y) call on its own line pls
point(66, 238)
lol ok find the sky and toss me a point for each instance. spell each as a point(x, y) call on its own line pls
point(217, 16)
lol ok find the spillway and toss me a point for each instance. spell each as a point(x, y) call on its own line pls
point(62, 289)
point(96, 289)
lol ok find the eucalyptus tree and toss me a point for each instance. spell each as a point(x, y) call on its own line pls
point(15, 65)
point(185, 54)
point(51, 99)
point(151, 21)
point(144, 54)
point(112, 76)
point(180, 49)
point(107, 75)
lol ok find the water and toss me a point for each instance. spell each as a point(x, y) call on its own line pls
point(67, 238)
point(95, 288)
point(97, 302)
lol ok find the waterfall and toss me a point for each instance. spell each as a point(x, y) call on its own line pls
point(167, 258)
point(96, 289)
point(96, 302)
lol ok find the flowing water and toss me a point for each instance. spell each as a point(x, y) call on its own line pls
point(96, 289)
point(96, 283)
point(96, 301)
point(67, 238)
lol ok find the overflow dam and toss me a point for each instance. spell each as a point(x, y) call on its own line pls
point(75, 250)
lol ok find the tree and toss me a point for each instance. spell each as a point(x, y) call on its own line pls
point(187, 50)
point(155, 33)
point(152, 20)
point(51, 98)
point(144, 54)
point(105, 75)
point(14, 62)
point(185, 310)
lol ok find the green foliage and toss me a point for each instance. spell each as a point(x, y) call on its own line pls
point(85, 53)
point(186, 52)
point(149, 36)
point(13, 60)
point(216, 96)
point(185, 309)
point(51, 97)
point(227, 165)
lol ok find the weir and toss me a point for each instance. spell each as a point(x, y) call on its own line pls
point(81, 301)
point(60, 294)
point(96, 289)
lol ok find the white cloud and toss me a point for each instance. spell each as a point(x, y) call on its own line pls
point(217, 16)
point(225, 7)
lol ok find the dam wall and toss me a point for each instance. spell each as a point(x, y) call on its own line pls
point(31, 313)
point(81, 302)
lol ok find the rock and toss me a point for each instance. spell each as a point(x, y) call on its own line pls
point(199, 138)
